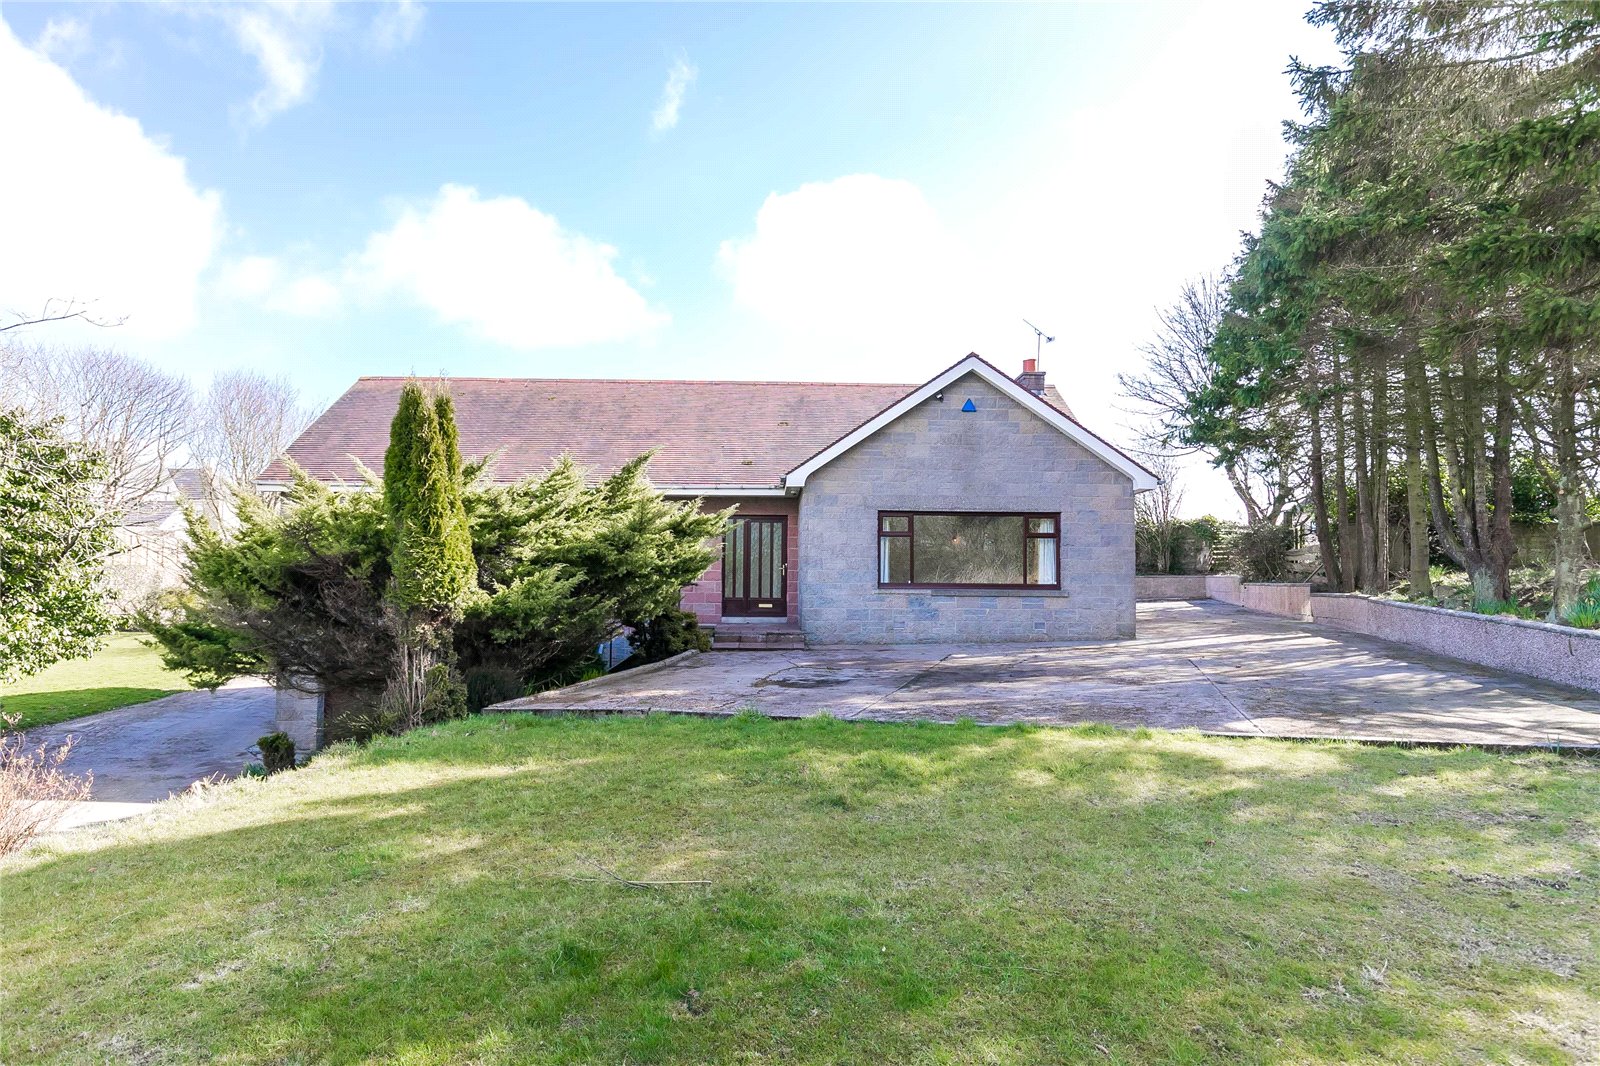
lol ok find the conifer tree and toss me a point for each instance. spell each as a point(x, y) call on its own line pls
point(1425, 288)
point(431, 556)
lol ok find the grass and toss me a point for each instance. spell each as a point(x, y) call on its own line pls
point(123, 672)
point(880, 893)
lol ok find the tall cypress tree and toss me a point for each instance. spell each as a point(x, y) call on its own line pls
point(445, 409)
point(431, 554)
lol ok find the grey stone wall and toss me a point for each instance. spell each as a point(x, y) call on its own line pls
point(1561, 654)
point(299, 714)
point(1000, 457)
point(1291, 599)
point(1170, 587)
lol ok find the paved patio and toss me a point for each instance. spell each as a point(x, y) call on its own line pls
point(1202, 665)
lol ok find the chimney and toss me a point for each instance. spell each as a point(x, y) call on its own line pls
point(1031, 378)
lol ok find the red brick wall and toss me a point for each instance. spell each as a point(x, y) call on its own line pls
point(704, 597)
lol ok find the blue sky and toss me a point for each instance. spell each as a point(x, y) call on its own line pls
point(831, 192)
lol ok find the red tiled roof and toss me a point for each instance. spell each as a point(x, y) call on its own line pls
point(706, 434)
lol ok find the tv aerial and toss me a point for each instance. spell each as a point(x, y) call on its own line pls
point(1040, 340)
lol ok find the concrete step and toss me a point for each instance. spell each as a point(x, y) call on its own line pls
point(785, 638)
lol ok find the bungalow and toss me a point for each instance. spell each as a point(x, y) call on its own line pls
point(974, 507)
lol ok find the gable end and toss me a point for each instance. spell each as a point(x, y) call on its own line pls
point(1143, 479)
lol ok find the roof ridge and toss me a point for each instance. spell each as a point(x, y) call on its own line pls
point(639, 381)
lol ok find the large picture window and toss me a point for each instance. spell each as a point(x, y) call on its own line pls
point(951, 549)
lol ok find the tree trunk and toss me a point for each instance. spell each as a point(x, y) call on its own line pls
point(1252, 509)
point(1380, 474)
point(1420, 580)
point(1501, 544)
point(1319, 499)
point(1365, 557)
point(1570, 546)
point(1341, 491)
point(1449, 535)
point(1466, 465)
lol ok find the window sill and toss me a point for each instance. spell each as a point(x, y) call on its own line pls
point(1002, 590)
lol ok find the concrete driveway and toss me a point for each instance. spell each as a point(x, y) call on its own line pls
point(143, 753)
point(1202, 665)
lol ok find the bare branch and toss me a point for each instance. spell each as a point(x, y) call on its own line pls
point(57, 310)
point(245, 421)
point(136, 416)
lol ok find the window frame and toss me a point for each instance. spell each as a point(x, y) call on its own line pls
point(909, 535)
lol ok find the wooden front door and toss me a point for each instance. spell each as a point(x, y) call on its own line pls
point(754, 568)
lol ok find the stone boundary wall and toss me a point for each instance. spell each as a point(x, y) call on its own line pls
point(1287, 600)
point(1560, 654)
point(1170, 587)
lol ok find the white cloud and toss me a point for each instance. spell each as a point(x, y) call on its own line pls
point(864, 266)
point(1113, 210)
point(253, 277)
point(263, 280)
point(63, 39)
point(679, 79)
point(288, 39)
point(395, 25)
point(310, 295)
point(1086, 228)
point(505, 270)
point(101, 211)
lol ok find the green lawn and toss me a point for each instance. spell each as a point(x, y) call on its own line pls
point(122, 672)
point(879, 893)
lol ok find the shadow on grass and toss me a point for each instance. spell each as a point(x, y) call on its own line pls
point(880, 893)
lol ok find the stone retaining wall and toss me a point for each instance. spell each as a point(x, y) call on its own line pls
point(1561, 654)
point(1170, 587)
point(1288, 599)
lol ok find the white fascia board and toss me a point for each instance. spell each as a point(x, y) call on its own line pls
point(676, 491)
point(722, 490)
point(274, 488)
point(1143, 480)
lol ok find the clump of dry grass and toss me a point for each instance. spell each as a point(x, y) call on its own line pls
point(34, 789)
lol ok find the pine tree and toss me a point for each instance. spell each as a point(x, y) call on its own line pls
point(1425, 289)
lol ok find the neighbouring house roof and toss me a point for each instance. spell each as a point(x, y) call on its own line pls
point(193, 483)
point(708, 436)
point(149, 513)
